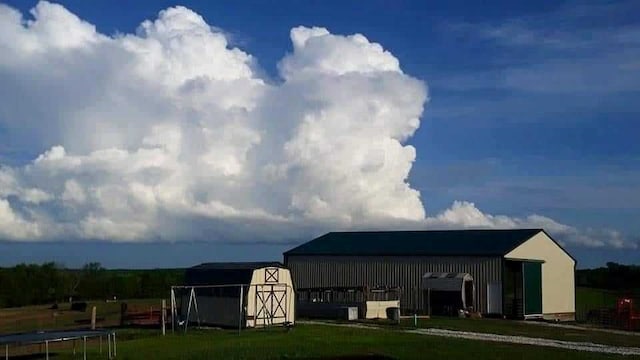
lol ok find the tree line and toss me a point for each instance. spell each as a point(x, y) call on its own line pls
point(31, 284)
point(613, 277)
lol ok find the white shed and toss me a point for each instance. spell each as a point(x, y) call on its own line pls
point(242, 295)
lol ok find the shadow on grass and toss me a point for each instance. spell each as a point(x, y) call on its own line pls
point(351, 357)
point(36, 355)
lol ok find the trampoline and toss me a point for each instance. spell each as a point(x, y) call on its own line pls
point(46, 337)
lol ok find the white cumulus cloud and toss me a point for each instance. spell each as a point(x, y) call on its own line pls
point(172, 133)
point(464, 214)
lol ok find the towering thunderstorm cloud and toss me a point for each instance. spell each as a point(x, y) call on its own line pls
point(171, 133)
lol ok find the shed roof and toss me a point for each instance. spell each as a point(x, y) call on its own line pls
point(224, 273)
point(236, 265)
point(430, 242)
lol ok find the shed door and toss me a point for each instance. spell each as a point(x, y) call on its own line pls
point(271, 304)
point(532, 276)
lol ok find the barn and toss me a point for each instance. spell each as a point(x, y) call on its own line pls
point(516, 273)
point(245, 294)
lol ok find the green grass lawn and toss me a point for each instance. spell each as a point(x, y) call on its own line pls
point(318, 342)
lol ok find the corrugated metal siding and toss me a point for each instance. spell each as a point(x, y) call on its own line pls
point(403, 271)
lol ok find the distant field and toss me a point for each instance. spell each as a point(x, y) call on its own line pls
point(41, 317)
point(589, 298)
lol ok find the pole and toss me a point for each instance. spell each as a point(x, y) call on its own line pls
point(173, 309)
point(415, 300)
point(240, 317)
point(115, 352)
point(46, 346)
point(195, 305)
point(93, 318)
point(186, 321)
point(6, 352)
point(109, 344)
point(84, 348)
point(163, 317)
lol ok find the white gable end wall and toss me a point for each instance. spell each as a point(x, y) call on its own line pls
point(558, 274)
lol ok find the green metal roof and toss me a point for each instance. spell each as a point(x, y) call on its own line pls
point(435, 242)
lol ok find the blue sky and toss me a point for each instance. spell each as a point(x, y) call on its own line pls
point(534, 106)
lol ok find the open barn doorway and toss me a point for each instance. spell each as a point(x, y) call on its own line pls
point(448, 293)
point(522, 289)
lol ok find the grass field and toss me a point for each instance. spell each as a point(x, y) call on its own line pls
point(311, 341)
point(589, 298)
point(316, 342)
point(510, 327)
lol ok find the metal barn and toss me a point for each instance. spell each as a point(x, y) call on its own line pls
point(521, 273)
point(248, 294)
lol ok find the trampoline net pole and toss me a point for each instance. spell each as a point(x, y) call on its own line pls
point(173, 309)
point(6, 352)
point(109, 344)
point(115, 351)
point(46, 347)
point(240, 317)
point(84, 348)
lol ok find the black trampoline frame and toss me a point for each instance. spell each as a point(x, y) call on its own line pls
point(46, 337)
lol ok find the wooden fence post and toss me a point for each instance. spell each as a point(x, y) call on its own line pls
point(93, 318)
point(163, 317)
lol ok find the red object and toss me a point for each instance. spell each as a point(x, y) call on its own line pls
point(627, 314)
point(143, 317)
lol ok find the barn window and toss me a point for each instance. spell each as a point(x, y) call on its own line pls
point(271, 275)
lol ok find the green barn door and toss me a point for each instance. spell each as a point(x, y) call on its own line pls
point(532, 274)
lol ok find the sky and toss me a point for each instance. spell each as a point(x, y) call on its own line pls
point(164, 134)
